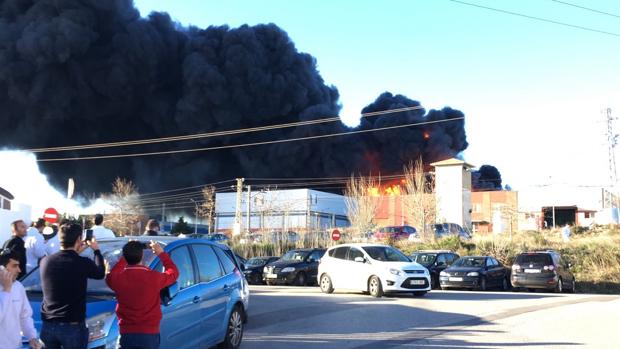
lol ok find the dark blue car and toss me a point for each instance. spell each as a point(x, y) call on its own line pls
point(205, 307)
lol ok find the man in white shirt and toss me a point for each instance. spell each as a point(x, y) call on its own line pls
point(35, 245)
point(52, 243)
point(99, 231)
point(15, 310)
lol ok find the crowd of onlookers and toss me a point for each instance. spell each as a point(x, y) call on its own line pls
point(56, 250)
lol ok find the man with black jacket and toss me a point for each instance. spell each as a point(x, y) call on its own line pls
point(64, 278)
point(16, 243)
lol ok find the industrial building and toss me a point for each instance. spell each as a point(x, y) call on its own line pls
point(299, 210)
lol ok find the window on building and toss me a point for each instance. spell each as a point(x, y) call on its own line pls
point(6, 204)
point(476, 208)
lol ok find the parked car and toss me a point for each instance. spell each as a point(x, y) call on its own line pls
point(254, 269)
point(252, 238)
point(295, 267)
point(372, 268)
point(218, 237)
point(210, 296)
point(399, 232)
point(435, 261)
point(542, 270)
point(442, 230)
point(479, 272)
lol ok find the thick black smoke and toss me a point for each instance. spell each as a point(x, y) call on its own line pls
point(90, 71)
point(487, 177)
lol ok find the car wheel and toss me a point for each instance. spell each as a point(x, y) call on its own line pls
point(419, 293)
point(300, 279)
point(326, 284)
point(269, 283)
point(559, 287)
point(434, 282)
point(505, 286)
point(572, 289)
point(483, 284)
point(234, 330)
point(374, 287)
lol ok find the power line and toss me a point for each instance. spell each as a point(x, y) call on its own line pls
point(586, 8)
point(192, 187)
point(214, 134)
point(245, 145)
point(536, 18)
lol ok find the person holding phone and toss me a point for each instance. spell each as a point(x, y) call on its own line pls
point(137, 292)
point(15, 310)
point(64, 278)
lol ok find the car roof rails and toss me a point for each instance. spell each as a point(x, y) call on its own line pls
point(436, 251)
point(549, 250)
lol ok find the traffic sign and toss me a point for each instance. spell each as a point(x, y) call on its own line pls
point(51, 215)
point(336, 235)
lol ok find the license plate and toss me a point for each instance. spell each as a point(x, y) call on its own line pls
point(417, 282)
point(532, 271)
point(455, 279)
point(272, 276)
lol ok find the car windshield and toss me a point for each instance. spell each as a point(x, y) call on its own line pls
point(295, 255)
point(111, 251)
point(470, 262)
point(256, 262)
point(424, 258)
point(385, 254)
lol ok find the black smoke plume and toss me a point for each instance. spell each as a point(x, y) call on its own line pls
point(90, 71)
point(487, 177)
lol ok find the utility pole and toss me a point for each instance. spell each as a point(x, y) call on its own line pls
point(238, 215)
point(248, 209)
point(309, 204)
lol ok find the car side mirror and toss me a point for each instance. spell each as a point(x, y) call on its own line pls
point(166, 294)
point(360, 259)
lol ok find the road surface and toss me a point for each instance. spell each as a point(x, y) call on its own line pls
point(303, 317)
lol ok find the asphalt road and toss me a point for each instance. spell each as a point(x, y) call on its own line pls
point(303, 317)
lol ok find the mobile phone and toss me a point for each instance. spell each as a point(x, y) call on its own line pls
point(89, 235)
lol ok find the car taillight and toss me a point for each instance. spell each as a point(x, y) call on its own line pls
point(549, 267)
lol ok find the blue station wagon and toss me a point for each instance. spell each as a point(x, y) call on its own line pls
point(207, 305)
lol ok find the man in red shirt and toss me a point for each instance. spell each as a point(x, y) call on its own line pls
point(137, 292)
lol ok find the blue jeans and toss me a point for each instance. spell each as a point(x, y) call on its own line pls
point(139, 341)
point(57, 335)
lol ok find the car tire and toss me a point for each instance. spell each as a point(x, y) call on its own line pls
point(374, 287)
point(559, 287)
point(435, 282)
point(572, 289)
point(269, 283)
point(505, 285)
point(419, 293)
point(326, 284)
point(234, 330)
point(300, 279)
point(483, 284)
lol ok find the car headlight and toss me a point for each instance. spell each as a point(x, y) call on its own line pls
point(473, 273)
point(443, 273)
point(99, 326)
point(395, 271)
point(288, 269)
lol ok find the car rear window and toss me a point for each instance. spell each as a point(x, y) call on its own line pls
point(534, 258)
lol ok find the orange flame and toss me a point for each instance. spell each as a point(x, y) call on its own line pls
point(389, 190)
point(426, 135)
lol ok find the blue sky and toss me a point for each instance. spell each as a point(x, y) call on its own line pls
point(532, 92)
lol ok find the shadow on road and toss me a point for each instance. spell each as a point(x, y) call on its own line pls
point(354, 321)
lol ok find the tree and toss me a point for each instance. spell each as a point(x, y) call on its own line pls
point(207, 207)
point(127, 210)
point(418, 198)
point(180, 227)
point(361, 204)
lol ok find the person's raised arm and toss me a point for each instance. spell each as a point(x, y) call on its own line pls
point(95, 269)
point(171, 273)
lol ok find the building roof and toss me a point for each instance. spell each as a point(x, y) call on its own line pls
point(6, 194)
point(452, 162)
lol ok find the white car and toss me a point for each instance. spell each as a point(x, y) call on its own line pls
point(372, 268)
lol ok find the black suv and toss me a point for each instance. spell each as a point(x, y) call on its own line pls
point(295, 267)
point(542, 270)
point(435, 261)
